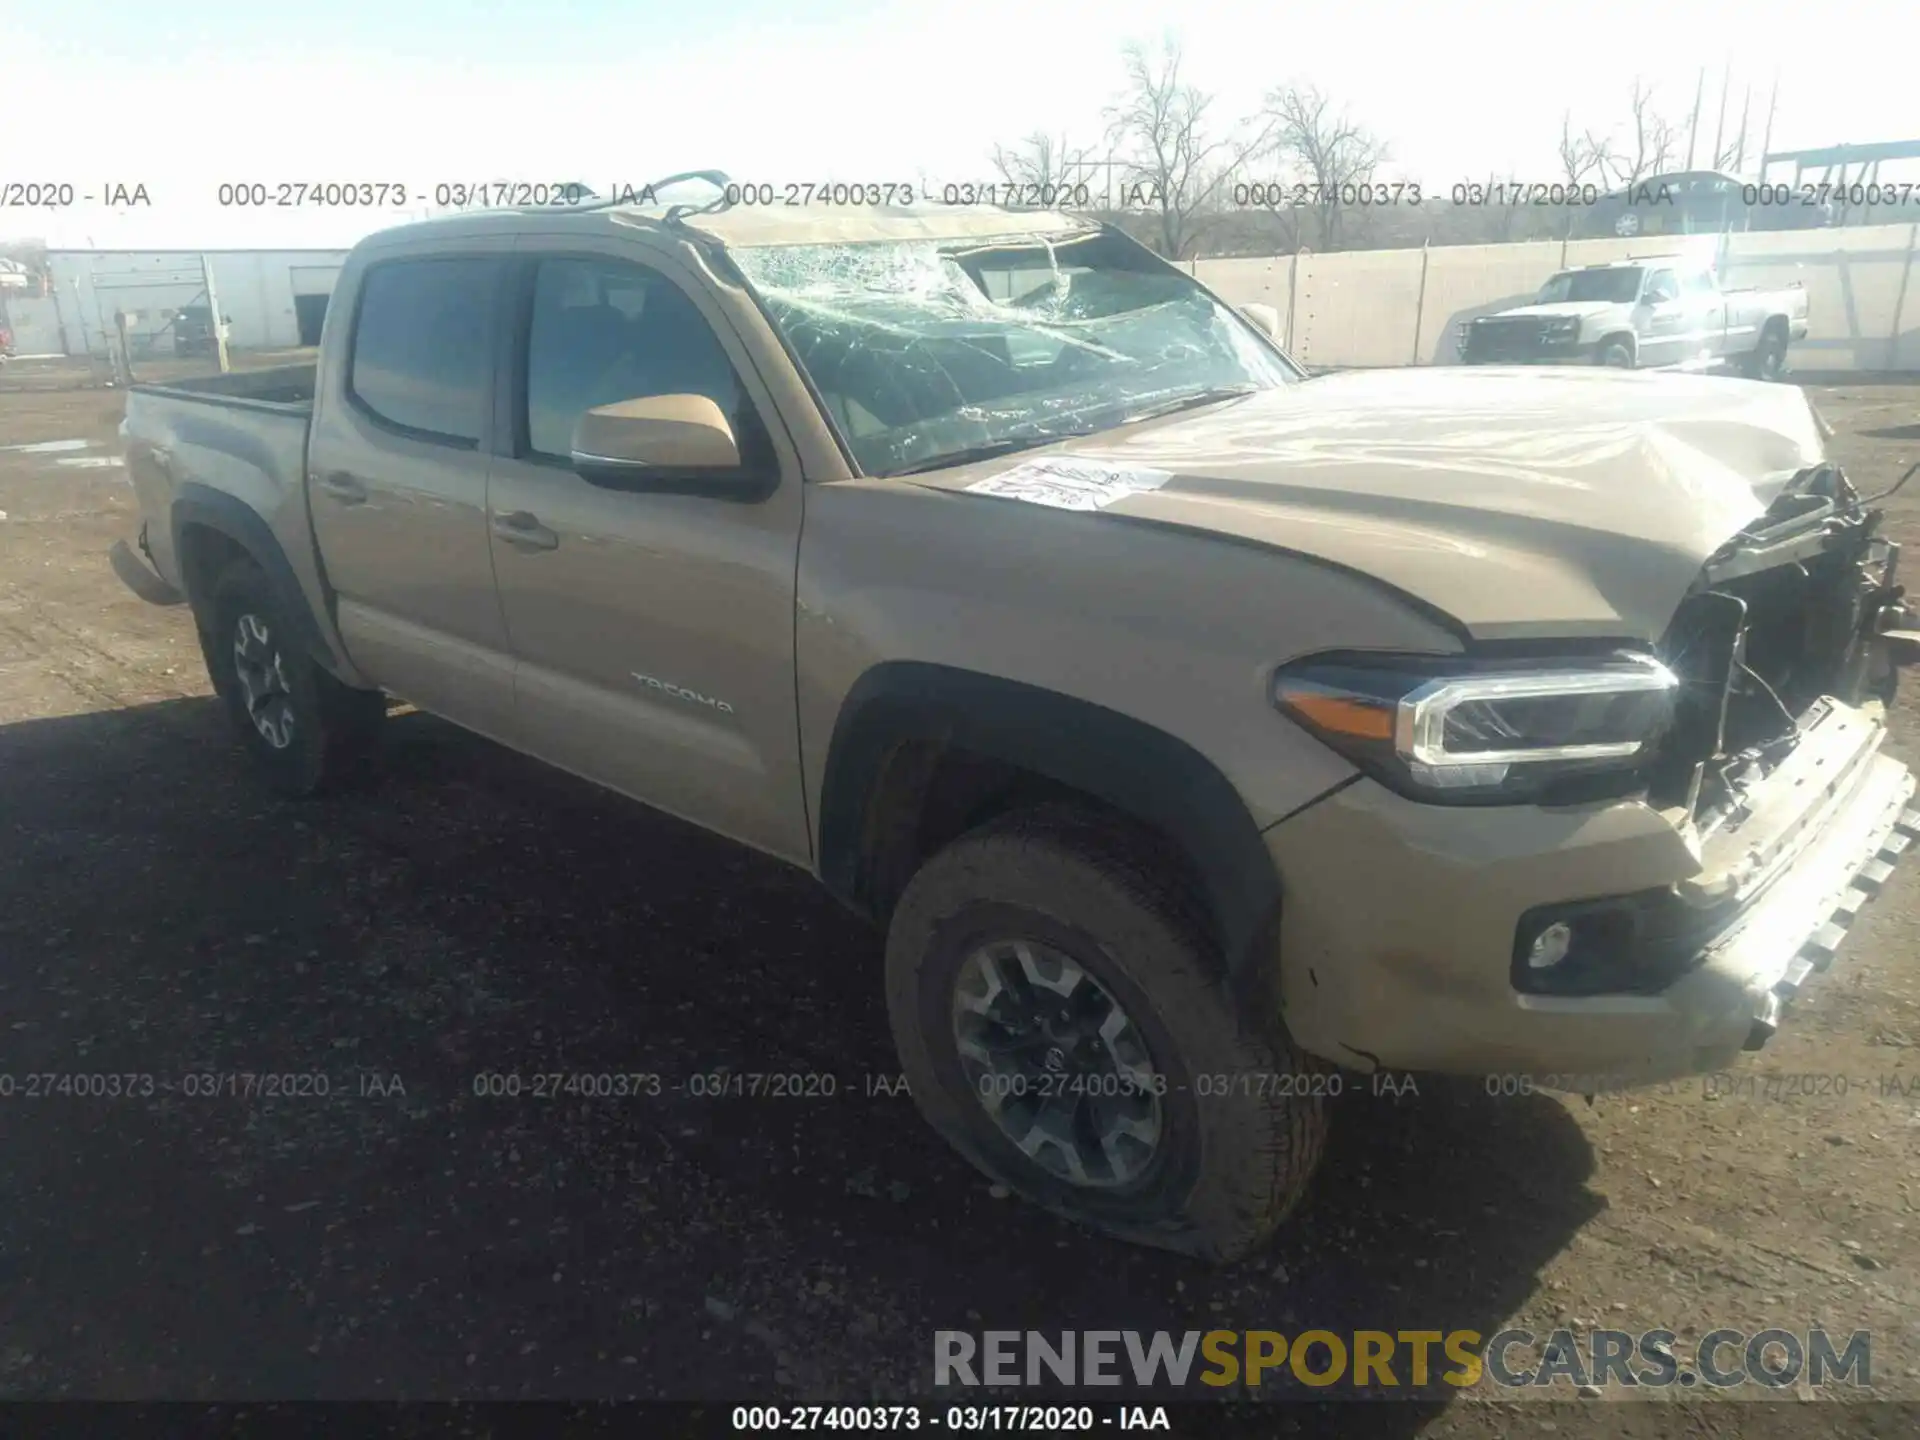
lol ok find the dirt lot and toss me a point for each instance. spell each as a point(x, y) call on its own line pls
point(403, 1236)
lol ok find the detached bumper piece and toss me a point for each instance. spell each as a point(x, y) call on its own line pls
point(140, 577)
point(1889, 844)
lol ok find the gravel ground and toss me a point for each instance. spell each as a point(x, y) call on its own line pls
point(476, 913)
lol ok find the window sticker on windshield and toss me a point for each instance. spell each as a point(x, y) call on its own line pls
point(1071, 484)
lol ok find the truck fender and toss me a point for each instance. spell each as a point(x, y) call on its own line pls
point(1134, 767)
point(1625, 337)
point(195, 504)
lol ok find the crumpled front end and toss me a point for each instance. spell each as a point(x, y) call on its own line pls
point(1598, 946)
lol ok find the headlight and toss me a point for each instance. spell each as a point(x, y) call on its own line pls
point(1452, 731)
point(1566, 325)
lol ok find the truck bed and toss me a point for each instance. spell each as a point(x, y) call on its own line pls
point(242, 436)
point(283, 387)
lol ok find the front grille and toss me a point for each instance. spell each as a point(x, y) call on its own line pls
point(1504, 339)
point(1783, 623)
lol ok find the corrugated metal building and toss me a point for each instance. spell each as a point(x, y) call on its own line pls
point(272, 299)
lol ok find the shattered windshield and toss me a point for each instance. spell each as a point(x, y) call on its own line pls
point(928, 351)
point(1616, 285)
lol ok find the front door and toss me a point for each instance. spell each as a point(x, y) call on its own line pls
point(652, 632)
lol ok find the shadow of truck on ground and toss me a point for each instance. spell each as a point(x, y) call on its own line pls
point(390, 1222)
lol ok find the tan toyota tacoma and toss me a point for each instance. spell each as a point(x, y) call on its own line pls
point(1200, 732)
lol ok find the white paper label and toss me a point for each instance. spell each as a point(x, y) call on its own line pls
point(1070, 484)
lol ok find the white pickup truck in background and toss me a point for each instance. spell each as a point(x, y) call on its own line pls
point(1663, 312)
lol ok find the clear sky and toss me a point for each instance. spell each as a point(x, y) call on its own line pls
point(180, 95)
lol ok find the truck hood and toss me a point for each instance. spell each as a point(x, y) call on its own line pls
point(1579, 309)
point(1522, 502)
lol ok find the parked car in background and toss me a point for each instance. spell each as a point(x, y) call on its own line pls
point(193, 330)
point(1192, 728)
point(1697, 202)
point(1658, 313)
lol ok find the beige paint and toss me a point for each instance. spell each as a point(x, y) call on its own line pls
point(696, 653)
point(660, 431)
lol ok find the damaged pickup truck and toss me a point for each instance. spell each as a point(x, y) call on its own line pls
point(1199, 733)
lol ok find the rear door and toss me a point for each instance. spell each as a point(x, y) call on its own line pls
point(397, 482)
point(1707, 315)
point(653, 628)
point(1661, 318)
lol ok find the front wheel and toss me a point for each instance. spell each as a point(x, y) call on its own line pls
point(1062, 1022)
point(304, 728)
point(1616, 354)
point(1768, 360)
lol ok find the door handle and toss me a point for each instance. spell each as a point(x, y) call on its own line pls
point(519, 528)
point(343, 487)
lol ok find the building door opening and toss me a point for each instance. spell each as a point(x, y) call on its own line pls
point(309, 313)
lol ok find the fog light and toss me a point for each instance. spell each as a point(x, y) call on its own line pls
point(1550, 946)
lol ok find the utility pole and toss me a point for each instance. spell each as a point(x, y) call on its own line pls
point(213, 305)
point(1693, 125)
point(1719, 125)
point(1766, 138)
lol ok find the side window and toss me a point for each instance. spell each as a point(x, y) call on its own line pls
point(1700, 284)
point(420, 346)
point(602, 331)
point(1661, 286)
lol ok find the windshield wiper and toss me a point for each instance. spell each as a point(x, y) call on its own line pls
point(982, 452)
point(1189, 402)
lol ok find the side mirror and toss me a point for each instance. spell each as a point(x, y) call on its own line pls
point(1265, 319)
point(662, 443)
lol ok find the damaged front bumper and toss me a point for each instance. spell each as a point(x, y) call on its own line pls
point(139, 576)
point(1693, 914)
point(1398, 928)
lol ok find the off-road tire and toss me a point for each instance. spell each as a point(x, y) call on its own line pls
point(335, 728)
point(1768, 358)
point(1232, 1161)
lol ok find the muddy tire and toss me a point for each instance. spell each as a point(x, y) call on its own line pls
point(1185, 1123)
point(1768, 359)
point(306, 730)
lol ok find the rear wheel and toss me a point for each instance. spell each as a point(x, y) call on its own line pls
point(306, 730)
point(1768, 360)
point(1062, 1022)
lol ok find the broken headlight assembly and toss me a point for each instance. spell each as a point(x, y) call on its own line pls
point(1448, 731)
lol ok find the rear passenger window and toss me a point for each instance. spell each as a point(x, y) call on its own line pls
point(420, 353)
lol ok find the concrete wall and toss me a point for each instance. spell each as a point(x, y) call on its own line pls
point(255, 287)
point(1399, 307)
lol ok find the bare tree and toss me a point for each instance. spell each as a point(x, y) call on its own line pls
point(1583, 157)
point(1168, 162)
point(1652, 145)
point(1040, 162)
point(1331, 152)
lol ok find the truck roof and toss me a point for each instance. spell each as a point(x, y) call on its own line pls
point(746, 226)
point(1638, 260)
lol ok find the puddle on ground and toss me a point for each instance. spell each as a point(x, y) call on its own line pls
point(92, 462)
point(45, 447)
